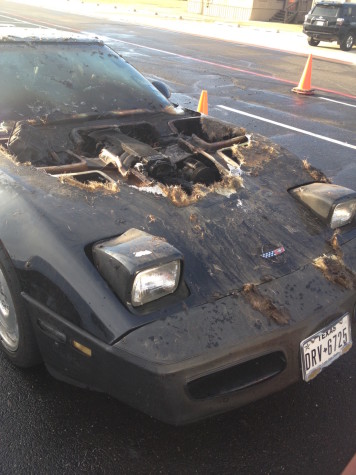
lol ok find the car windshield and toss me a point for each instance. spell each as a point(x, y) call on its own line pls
point(40, 79)
point(326, 10)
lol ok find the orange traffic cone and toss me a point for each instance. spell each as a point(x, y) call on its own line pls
point(304, 86)
point(203, 103)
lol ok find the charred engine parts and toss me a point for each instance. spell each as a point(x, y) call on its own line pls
point(196, 172)
point(157, 167)
point(187, 151)
point(209, 134)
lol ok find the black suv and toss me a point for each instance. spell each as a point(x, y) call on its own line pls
point(331, 21)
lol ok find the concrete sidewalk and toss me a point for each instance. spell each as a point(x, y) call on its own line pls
point(288, 38)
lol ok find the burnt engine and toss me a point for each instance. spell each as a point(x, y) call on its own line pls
point(182, 152)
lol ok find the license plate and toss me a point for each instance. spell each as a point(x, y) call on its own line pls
point(325, 346)
point(320, 23)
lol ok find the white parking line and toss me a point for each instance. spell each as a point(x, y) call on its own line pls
point(26, 22)
point(338, 102)
point(17, 20)
point(295, 129)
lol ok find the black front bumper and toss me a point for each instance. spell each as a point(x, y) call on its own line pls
point(204, 360)
point(324, 33)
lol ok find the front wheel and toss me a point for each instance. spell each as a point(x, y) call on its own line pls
point(313, 41)
point(16, 334)
point(347, 42)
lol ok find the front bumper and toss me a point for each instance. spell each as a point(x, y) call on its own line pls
point(204, 360)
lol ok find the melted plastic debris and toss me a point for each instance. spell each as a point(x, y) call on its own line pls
point(264, 305)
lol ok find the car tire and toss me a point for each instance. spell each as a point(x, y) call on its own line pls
point(347, 42)
point(313, 41)
point(17, 338)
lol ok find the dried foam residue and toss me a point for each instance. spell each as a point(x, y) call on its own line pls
point(316, 174)
point(12, 158)
point(236, 150)
point(154, 189)
point(227, 186)
point(180, 198)
point(213, 134)
point(256, 154)
point(334, 270)
point(334, 243)
point(91, 186)
point(264, 305)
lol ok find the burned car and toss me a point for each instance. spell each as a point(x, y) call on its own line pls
point(162, 256)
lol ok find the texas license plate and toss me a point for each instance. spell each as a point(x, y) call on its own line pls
point(325, 346)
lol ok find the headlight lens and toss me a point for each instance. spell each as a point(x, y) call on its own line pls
point(343, 214)
point(139, 267)
point(334, 204)
point(152, 284)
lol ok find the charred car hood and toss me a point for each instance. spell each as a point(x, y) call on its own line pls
point(226, 227)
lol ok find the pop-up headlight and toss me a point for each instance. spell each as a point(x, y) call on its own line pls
point(335, 204)
point(152, 284)
point(140, 268)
